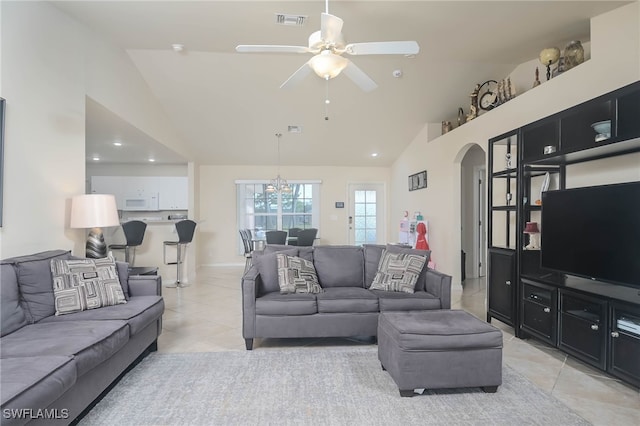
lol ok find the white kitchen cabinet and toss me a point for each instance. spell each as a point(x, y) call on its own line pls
point(172, 191)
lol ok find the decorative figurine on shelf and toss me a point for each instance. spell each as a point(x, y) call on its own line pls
point(473, 109)
point(573, 54)
point(502, 98)
point(548, 57)
point(508, 158)
point(511, 89)
point(537, 80)
point(446, 127)
point(460, 116)
point(531, 228)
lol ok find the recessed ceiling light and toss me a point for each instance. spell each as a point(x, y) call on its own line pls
point(177, 47)
point(117, 143)
point(375, 154)
point(152, 160)
point(96, 158)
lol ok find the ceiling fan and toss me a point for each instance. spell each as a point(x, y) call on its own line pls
point(328, 46)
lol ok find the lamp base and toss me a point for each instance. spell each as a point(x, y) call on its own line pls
point(96, 248)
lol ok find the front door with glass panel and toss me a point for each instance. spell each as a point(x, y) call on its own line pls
point(366, 214)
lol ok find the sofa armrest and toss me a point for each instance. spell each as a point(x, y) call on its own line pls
point(250, 283)
point(145, 285)
point(439, 285)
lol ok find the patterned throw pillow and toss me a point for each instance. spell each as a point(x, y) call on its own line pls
point(296, 275)
point(398, 272)
point(83, 284)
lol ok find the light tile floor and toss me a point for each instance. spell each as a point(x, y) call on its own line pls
point(206, 316)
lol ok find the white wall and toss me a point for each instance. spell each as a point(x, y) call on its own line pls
point(615, 62)
point(43, 84)
point(50, 63)
point(218, 232)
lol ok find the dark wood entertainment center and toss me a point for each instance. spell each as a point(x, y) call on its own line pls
point(577, 315)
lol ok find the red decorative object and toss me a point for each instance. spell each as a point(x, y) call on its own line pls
point(421, 241)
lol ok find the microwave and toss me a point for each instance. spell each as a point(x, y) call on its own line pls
point(147, 202)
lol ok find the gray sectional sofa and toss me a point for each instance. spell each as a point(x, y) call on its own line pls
point(345, 308)
point(53, 367)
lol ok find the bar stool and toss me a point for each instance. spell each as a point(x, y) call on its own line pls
point(185, 230)
point(134, 234)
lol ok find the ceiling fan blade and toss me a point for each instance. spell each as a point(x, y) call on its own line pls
point(383, 48)
point(330, 28)
point(297, 76)
point(359, 77)
point(270, 48)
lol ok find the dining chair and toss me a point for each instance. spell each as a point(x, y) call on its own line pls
point(307, 236)
point(276, 237)
point(134, 234)
point(245, 234)
point(185, 229)
point(292, 238)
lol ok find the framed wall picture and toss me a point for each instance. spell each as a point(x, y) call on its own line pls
point(418, 181)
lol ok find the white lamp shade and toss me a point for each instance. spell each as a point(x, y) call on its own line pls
point(327, 64)
point(94, 211)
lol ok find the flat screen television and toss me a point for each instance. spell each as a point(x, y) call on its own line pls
point(593, 232)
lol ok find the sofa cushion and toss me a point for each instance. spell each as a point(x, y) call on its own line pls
point(372, 255)
point(268, 268)
point(81, 284)
point(422, 279)
point(339, 266)
point(398, 272)
point(400, 301)
point(286, 304)
point(347, 300)
point(306, 253)
point(296, 275)
point(90, 342)
point(35, 382)
point(123, 274)
point(138, 312)
point(12, 316)
point(35, 282)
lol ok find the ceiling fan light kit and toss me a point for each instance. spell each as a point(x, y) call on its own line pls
point(327, 64)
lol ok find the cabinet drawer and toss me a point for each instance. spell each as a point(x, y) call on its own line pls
point(625, 350)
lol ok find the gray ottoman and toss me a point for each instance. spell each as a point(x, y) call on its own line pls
point(439, 349)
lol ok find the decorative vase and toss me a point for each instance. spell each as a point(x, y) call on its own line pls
point(573, 54)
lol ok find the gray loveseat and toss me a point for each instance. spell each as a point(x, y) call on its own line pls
point(53, 367)
point(345, 308)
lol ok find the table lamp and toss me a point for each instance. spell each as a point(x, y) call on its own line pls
point(94, 211)
point(531, 228)
point(548, 57)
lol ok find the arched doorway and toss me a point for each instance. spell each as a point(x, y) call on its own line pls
point(472, 211)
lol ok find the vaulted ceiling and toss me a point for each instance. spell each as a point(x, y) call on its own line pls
point(228, 106)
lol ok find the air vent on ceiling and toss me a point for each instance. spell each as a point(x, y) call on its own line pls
point(294, 129)
point(295, 20)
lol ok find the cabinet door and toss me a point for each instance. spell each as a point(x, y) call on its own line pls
point(577, 125)
point(540, 140)
point(628, 113)
point(501, 285)
point(539, 311)
point(624, 361)
point(583, 327)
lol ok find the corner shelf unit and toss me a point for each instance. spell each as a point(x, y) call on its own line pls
point(597, 323)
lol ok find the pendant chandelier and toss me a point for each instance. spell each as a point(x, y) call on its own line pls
point(278, 184)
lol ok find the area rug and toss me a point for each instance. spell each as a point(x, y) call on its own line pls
point(308, 386)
